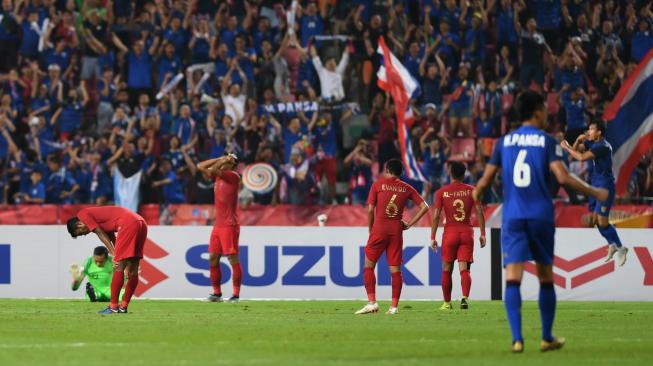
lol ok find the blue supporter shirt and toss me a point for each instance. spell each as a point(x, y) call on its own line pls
point(506, 32)
point(524, 156)
point(29, 45)
point(642, 42)
point(168, 65)
point(484, 128)
point(548, 14)
point(602, 175)
point(228, 37)
point(448, 53)
point(412, 64)
point(37, 190)
point(200, 51)
point(71, 117)
point(178, 38)
point(140, 70)
point(310, 26)
point(575, 112)
point(172, 192)
point(325, 136)
point(289, 139)
point(58, 182)
point(183, 128)
point(112, 90)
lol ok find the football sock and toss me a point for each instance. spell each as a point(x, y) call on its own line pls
point(513, 309)
point(117, 281)
point(369, 279)
point(216, 279)
point(132, 283)
point(446, 286)
point(238, 278)
point(465, 282)
point(397, 282)
point(547, 302)
point(610, 234)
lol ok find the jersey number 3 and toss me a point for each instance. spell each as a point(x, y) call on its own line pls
point(459, 205)
point(521, 173)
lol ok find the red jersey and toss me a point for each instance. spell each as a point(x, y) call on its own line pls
point(226, 198)
point(108, 218)
point(456, 201)
point(390, 196)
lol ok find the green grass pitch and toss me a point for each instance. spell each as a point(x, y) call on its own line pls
point(70, 333)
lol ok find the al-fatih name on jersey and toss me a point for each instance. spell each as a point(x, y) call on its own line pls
point(524, 140)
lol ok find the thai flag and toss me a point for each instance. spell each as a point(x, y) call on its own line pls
point(397, 81)
point(630, 122)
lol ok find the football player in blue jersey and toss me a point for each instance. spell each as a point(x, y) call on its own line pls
point(529, 158)
point(599, 152)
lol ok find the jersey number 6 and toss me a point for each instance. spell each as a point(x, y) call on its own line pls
point(521, 173)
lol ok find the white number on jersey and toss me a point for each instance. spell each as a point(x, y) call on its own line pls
point(521, 173)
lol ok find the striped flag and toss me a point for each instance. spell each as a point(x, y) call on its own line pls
point(630, 122)
point(397, 81)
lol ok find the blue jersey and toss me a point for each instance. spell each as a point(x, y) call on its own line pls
point(602, 168)
point(524, 156)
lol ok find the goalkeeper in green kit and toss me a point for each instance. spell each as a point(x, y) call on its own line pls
point(99, 271)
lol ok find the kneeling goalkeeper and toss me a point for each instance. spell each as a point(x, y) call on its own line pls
point(99, 271)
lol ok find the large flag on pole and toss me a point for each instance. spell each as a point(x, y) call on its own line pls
point(630, 122)
point(397, 81)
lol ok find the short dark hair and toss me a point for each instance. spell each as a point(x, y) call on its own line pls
point(528, 103)
point(457, 170)
point(72, 225)
point(600, 125)
point(101, 251)
point(395, 167)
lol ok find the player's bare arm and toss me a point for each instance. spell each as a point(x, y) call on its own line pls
point(578, 155)
point(481, 222)
point(370, 217)
point(571, 181)
point(434, 228)
point(485, 181)
point(106, 240)
point(423, 209)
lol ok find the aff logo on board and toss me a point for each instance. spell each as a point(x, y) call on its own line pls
point(596, 267)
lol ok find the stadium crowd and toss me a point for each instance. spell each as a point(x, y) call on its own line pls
point(93, 88)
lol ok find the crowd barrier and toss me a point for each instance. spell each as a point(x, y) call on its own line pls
point(318, 263)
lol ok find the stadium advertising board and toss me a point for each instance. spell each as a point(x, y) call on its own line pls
point(313, 263)
point(278, 263)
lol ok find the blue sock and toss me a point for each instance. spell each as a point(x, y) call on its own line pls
point(547, 304)
point(610, 234)
point(513, 309)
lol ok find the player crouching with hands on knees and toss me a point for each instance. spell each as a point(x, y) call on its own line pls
point(386, 203)
point(127, 249)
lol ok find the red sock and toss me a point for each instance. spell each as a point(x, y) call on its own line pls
point(369, 279)
point(446, 286)
point(117, 281)
point(397, 282)
point(237, 278)
point(466, 282)
point(216, 279)
point(132, 282)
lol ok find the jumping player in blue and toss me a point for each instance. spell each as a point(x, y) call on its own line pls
point(599, 152)
point(528, 157)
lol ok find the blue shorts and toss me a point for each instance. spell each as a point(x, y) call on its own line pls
point(523, 240)
point(460, 111)
point(591, 203)
point(602, 208)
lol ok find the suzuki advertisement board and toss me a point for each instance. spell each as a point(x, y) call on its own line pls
point(314, 263)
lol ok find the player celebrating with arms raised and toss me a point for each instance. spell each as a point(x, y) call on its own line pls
point(127, 249)
point(600, 152)
point(527, 156)
point(226, 231)
point(458, 238)
point(386, 203)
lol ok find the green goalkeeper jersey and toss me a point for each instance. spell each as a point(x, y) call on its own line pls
point(100, 278)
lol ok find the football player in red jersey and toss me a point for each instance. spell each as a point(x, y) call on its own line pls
point(386, 203)
point(458, 239)
point(126, 247)
point(226, 230)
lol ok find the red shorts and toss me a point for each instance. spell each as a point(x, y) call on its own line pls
point(130, 241)
point(458, 245)
point(326, 166)
point(224, 240)
point(392, 245)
